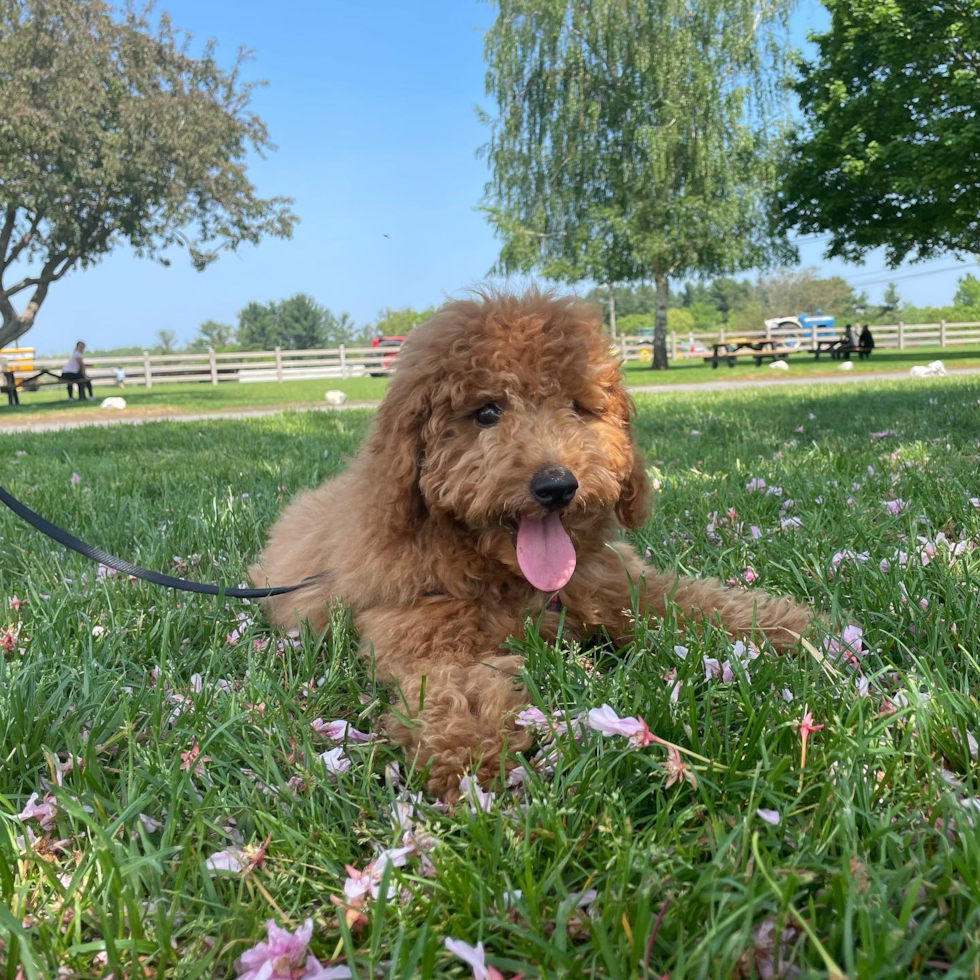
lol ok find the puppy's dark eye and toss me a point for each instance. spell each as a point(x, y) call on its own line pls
point(487, 416)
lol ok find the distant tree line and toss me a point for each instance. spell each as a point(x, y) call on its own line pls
point(741, 305)
point(296, 323)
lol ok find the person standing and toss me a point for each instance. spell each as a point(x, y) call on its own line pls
point(120, 377)
point(74, 372)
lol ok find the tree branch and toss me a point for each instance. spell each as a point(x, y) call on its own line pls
point(47, 276)
point(5, 232)
point(22, 242)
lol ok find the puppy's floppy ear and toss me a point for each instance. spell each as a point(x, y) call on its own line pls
point(396, 448)
point(633, 506)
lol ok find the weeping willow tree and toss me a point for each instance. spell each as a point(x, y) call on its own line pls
point(635, 140)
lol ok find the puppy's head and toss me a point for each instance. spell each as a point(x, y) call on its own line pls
point(508, 416)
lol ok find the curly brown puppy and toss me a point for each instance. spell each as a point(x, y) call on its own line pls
point(494, 485)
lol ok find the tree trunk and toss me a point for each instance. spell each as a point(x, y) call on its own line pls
point(13, 327)
point(659, 362)
point(612, 312)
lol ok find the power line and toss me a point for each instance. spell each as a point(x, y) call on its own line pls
point(884, 276)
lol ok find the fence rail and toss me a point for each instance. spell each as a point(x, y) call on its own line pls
point(891, 336)
point(342, 362)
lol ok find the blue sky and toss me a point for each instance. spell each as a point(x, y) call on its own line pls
point(372, 107)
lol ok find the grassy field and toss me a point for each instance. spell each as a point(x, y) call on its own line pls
point(165, 736)
point(695, 370)
point(49, 404)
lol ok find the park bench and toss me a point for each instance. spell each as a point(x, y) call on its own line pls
point(836, 349)
point(19, 374)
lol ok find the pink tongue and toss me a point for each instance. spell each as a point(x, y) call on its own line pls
point(545, 552)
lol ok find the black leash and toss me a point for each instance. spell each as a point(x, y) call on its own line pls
point(128, 568)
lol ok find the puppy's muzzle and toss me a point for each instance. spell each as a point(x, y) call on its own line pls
point(553, 487)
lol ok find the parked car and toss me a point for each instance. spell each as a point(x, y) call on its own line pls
point(391, 347)
point(801, 329)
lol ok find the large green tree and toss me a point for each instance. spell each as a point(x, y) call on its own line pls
point(301, 322)
point(398, 323)
point(212, 334)
point(632, 139)
point(888, 151)
point(967, 291)
point(112, 133)
point(259, 327)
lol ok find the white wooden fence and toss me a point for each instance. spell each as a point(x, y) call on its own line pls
point(349, 362)
point(148, 369)
point(894, 336)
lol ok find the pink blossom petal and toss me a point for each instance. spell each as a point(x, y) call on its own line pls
point(472, 791)
point(339, 730)
point(770, 816)
point(231, 859)
point(279, 957)
point(314, 971)
point(335, 762)
point(45, 812)
point(473, 956)
point(533, 718)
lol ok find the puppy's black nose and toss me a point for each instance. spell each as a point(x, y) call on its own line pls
point(553, 487)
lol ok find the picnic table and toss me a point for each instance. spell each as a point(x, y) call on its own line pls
point(775, 349)
point(14, 381)
point(766, 349)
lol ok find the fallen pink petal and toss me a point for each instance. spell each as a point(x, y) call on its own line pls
point(335, 762)
point(279, 957)
point(338, 731)
point(605, 721)
point(474, 957)
point(471, 790)
point(45, 812)
point(232, 859)
point(769, 816)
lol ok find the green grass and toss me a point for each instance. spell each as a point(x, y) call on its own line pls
point(874, 869)
point(51, 402)
point(803, 365)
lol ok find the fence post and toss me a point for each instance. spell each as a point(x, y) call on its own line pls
point(768, 331)
point(901, 335)
point(147, 373)
point(278, 364)
point(721, 335)
point(343, 361)
point(214, 366)
point(673, 345)
point(942, 333)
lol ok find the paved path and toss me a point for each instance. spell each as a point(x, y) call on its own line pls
point(259, 413)
point(775, 380)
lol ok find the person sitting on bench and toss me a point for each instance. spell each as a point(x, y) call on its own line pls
point(847, 344)
point(866, 343)
point(74, 372)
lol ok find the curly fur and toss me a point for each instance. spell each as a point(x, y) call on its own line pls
point(425, 508)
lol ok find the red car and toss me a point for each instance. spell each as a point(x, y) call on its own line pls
point(392, 346)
